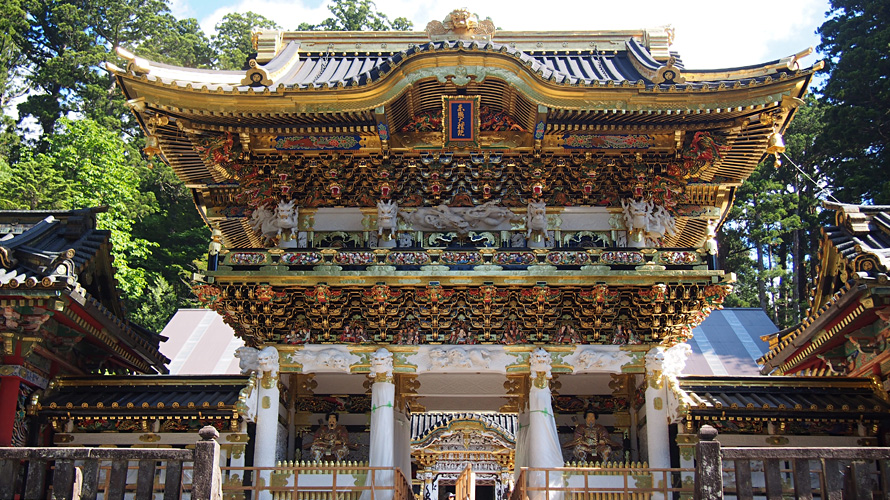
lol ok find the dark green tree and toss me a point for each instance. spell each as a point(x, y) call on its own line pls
point(179, 42)
point(67, 42)
point(233, 39)
point(358, 15)
point(181, 237)
point(803, 175)
point(856, 42)
point(33, 183)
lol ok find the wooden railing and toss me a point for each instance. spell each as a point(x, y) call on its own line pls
point(601, 482)
point(849, 473)
point(465, 487)
point(316, 482)
point(85, 473)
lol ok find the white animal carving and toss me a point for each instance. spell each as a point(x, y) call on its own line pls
point(406, 239)
point(269, 223)
point(387, 217)
point(539, 361)
point(247, 359)
point(267, 362)
point(590, 360)
point(438, 359)
point(261, 361)
point(646, 222)
point(459, 358)
point(536, 218)
point(287, 217)
point(488, 216)
point(517, 240)
point(381, 363)
point(261, 218)
point(331, 359)
point(438, 218)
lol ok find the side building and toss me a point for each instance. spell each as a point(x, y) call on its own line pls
point(61, 312)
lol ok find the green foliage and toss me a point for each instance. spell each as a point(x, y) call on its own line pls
point(856, 41)
point(12, 25)
point(772, 232)
point(181, 237)
point(358, 15)
point(99, 169)
point(233, 39)
point(179, 42)
point(33, 183)
point(155, 306)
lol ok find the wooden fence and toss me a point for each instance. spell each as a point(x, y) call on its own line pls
point(79, 473)
point(848, 473)
point(602, 482)
point(316, 481)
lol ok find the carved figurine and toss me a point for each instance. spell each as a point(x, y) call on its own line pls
point(619, 336)
point(353, 333)
point(512, 334)
point(646, 222)
point(710, 246)
point(409, 335)
point(536, 221)
point(330, 440)
point(387, 217)
point(592, 440)
point(299, 335)
point(460, 334)
point(214, 249)
point(566, 334)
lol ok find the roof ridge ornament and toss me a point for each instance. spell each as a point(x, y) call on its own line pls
point(461, 24)
point(669, 73)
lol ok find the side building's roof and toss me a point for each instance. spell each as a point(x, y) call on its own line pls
point(796, 402)
point(728, 343)
point(57, 274)
point(850, 292)
point(200, 343)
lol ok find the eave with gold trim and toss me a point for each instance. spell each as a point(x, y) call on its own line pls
point(847, 327)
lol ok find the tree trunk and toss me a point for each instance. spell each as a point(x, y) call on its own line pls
point(796, 264)
point(761, 285)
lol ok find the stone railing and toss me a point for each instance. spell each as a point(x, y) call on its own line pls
point(834, 473)
point(86, 473)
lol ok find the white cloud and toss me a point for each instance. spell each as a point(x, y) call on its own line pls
point(715, 35)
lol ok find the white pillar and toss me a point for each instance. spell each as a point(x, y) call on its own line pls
point(265, 364)
point(383, 393)
point(521, 455)
point(663, 365)
point(542, 446)
point(402, 443)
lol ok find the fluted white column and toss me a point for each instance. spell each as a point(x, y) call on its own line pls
point(383, 393)
point(663, 365)
point(543, 448)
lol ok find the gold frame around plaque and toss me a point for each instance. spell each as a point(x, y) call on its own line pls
point(460, 131)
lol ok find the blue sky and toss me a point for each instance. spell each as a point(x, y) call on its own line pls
point(708, 34)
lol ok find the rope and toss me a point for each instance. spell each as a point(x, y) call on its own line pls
point(826, 189)
point(385, 405)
